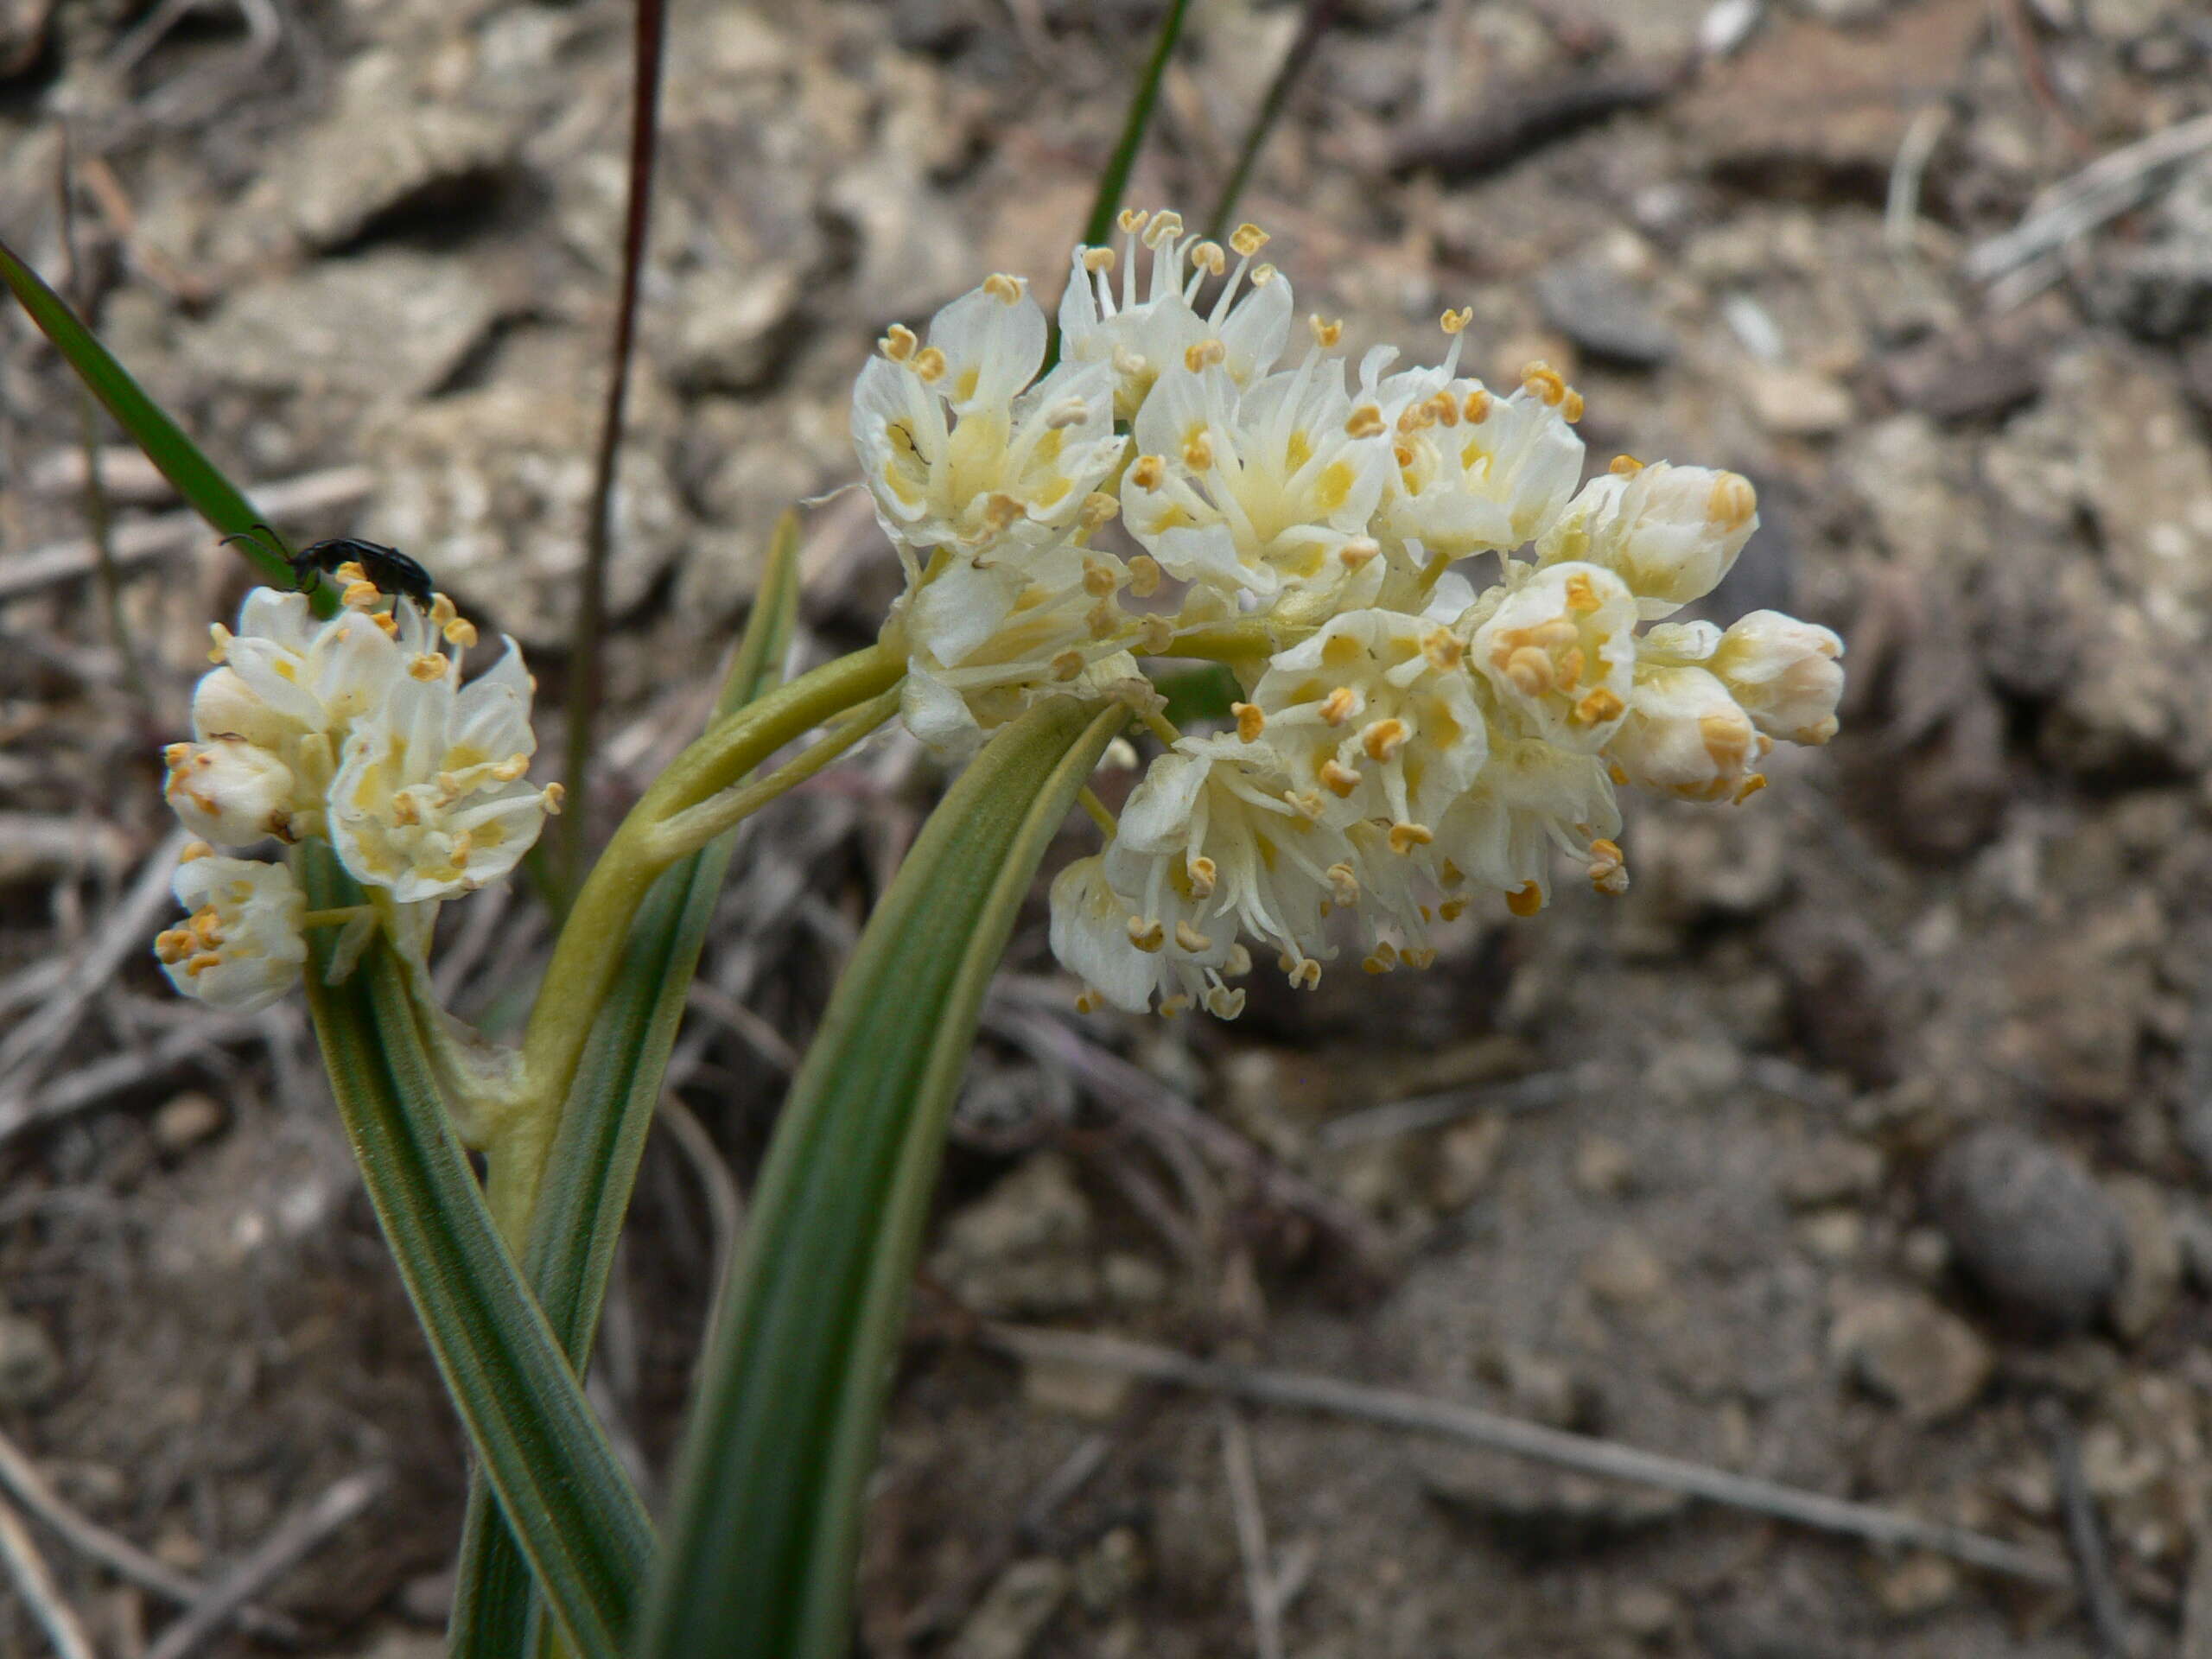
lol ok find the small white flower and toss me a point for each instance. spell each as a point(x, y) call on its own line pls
point(1670, 532)
point(243, 945)
point(1477, 473)
point(1244, 331)
point(1126, 960)
point(1374, 716)
point(1208, 826)
point(431, 800)
point(954, 449)
point(1784, 673)
point(229, 791)
point(1685, 734)
point(1560, 650)
point(1258, 493)
point(1533, 801)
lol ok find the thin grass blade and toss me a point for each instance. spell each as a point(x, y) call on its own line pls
point(197, 479)
point(586, 1534)
point(784, 1432)
point(602, 1136)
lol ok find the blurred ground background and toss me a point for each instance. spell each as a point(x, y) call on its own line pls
point(1862, 1146)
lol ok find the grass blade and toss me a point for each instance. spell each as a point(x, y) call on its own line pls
point(1315, 23)
point(1115, 178)
point(577, 1518)
point(782, 1434)
point(585, 674)
point(595, 1161)
point(195, 477)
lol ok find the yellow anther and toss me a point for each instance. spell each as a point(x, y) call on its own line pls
point(1402, 454)
point(1452, 909)
point(509, 770)
point(1224, 1003)
point(929, 364)
point(1600, 706)
point(1625, 466)
point(1209, 258)
point(1366, 421)
point(1198, 451)
point(1443, 648)
point(1189, 938)
point(1404, 837)
point(1306, 803)
point(1149, 472)
point(1100, 578)
point(1424, 958)
point(1617, 772)
point(1098, 259)
point(1542, 382)
point(1172, 1006)
point(1581, 594)
point(1571, 407)
point(1339, 781)
point(1608, 868)
point(1067, 665)
point(998, 511)
point(1251, 720)
point(1751, 786)
point(1325, 333)
point(1004, 289)
point(359, 595)
point(1343, 884)
point(1248, 239)
point(1165, 227)
point(460, 632)
point(1357, 552)
point(1205, 355)
point(1526, 900)
point(351, 571)
point(1203, 873)
point(1340, 705)
point(1131, 220)
point(1384, 739)
point(404, 811)
point(1453, 322)
point(176, 755)
point(1239, 962)
point(552, 795)
point(1144, 575)
point(1305, 975)
point(427, 665)
point(1476, 407)
point(1098, 508)
point(1146, 934)
point(1732, 501)
point(899, 342)
point(194, 849)
point(1261, 275)
point(1086, 1000)
point(1377, 963)
point(1527, 667)
point(1104, 619)
point(1446, 408)
point(1155, 634)
point(219, 638)
point(386, 622)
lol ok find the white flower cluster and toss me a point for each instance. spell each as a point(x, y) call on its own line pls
point(357, 730)
point(1404, 740)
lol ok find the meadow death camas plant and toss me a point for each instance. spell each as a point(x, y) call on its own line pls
point(1175, 486)
point(1404, 743)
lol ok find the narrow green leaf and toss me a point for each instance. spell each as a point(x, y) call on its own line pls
point(602, 1135)
point(586, 1534)
point(196, 478)
point(1115, 178)
point(782, 1434)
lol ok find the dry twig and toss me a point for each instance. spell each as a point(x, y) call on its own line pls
point(2100, 192)
point(2092, 1567)
point(35, 1583)
point(146, 541)
point(29, 1488)
point(291, 1542)
point(1395, 1408)
point(1260, 1589)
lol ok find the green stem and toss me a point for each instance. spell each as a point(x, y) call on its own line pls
point(588, 952)
point(687, 831)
